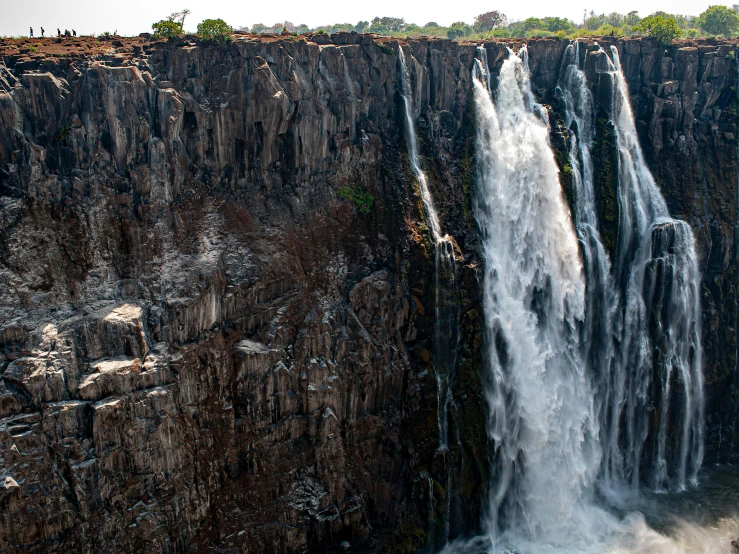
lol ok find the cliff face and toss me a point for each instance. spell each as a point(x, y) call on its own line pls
point(217, 291)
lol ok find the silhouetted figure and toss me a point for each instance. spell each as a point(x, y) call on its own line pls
point(30, 33)
point(67, 33)
point(42, 31)
point(74, 33)
point(58, 32)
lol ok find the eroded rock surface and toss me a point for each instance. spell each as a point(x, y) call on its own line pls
point(208, 341)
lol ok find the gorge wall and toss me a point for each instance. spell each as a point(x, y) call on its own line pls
point(217, 291)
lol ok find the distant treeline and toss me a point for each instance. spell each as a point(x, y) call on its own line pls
point(716, 21)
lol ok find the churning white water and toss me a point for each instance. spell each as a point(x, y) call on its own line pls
point(582, 348)
point(597, 339)
point(543, 419)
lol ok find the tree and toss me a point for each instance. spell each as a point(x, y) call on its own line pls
point(594, 22)
point(719, 20)
point(361, 26)
point(258, 28)
point(632, 18)
point(555, 24)
point(682, 21)
point(214, 29)
point(166, 28)
point(489, 21)
point(387, 25)
point(174, 16)
point(458, 29)
point(615, 19)
point(533, 23)
point(661, 28)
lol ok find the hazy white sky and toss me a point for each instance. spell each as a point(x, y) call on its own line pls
point(131, 17)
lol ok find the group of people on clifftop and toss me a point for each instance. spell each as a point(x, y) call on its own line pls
point(58, 33)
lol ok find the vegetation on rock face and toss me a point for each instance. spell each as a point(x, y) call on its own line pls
point(359, 196)
point(665, 30)
point(214, 29)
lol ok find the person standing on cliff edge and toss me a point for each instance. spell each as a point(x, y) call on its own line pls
point(58, 32)
point(42, 32)
point(30, 33)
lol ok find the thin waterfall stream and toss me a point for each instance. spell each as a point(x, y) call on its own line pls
point(584, 340)
point(446, 301)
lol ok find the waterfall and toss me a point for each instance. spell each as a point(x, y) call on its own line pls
point(432, 217)
point(446, 302)
point(595, 364)
point(543, 420)
point(600, 306)
point(658, 362)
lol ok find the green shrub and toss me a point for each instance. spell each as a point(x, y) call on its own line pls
point(459, 29)
point(166, 28)
point(533, 33)
point(607, 29)
point(214, 29)
point(663, 29)
point(359, 196)
point(62, 134)
point(501, 32)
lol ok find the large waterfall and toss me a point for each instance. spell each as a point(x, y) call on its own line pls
point(543, 419)
point(595, 361)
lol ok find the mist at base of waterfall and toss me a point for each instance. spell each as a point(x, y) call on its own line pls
point(702, 519)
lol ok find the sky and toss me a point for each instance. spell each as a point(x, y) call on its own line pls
point(131, 17)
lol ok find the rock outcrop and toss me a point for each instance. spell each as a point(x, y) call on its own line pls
point(216, 284)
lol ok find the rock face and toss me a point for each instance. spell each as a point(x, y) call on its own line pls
point(217, 291)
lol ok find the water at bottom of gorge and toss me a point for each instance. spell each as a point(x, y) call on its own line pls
point(702, 519)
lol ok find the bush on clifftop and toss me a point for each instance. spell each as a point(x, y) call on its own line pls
point(665, 30)
point(214, 29)
point(167, 28)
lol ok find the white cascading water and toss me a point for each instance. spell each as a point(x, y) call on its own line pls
point(446, 311)
point(571, 341)
point(658, 362)
point(543, 419)
point(597, 330)
point(655, 268)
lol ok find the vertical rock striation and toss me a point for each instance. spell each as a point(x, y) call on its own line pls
point(217, 282)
